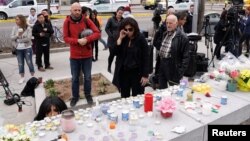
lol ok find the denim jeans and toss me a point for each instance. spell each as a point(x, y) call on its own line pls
point(76, 66)
point(27, 55)
point(103, 42)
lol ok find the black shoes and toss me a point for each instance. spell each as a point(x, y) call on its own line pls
point(73, 102)
point(89, 100)
point(109, 69)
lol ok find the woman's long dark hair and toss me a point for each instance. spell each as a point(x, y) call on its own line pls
point(132, 22)
point(95, 20)
point(46, 105)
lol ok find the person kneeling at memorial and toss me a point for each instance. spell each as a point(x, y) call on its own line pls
point(173, 53)
point(51, 106)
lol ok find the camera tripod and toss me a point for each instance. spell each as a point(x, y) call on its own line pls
point(208, 38)
point(10, 97)
point(229, 40)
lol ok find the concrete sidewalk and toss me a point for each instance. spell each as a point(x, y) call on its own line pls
point(60, 62)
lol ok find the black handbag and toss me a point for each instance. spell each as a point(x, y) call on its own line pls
point(13, 51)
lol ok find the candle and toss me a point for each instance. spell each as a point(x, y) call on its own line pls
point(112, 125)
point(148, 102)
point(190, 96)
point(68, 121)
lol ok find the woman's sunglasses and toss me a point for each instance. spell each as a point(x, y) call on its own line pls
point(129, 29)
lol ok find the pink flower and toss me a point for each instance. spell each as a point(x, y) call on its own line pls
point(234, 74)
point(166, 105)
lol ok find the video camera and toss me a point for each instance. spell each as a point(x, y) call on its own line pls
point(234, 11)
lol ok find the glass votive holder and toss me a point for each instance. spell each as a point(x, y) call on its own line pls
point(132, 139)
point(91, 139)
point(136, 103)
point(133, 135)
point(180, 92)
point(97, 132)
point(82, 137)
point(120, 134)
point(105, 138)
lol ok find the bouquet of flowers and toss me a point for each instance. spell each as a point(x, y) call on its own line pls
point(167, 106)
point(14, 133)
point(244, 80)
point(234, 75)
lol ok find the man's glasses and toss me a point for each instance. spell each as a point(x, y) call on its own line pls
point(129, 29)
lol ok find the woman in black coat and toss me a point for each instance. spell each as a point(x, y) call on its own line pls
point(132, 62)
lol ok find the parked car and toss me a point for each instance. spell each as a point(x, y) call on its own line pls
point(13, 7)
point(179, 5)
point(105, 6)
point(214, 18)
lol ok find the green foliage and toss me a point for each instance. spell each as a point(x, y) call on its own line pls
point(49, 84)
point(102, 90)
point(103, 82)
point(53, 92)
point(102, 86)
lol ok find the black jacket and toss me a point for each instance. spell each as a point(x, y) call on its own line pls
point(188, 25)
point(111, 29)
point(158, 38)
point(140, 56)
point(180, 51)
point(38, 28)
point(220, 32)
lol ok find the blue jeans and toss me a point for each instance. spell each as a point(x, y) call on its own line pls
point(76, 66)
point(27, 55)
point(103, 42)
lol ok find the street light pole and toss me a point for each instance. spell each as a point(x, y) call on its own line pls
point(195, 16)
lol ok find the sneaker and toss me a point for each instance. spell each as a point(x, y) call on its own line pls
point(49, 67)
point(22, 80)
point(73, 102)
point(41, 69)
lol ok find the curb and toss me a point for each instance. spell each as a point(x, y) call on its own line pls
point(54, 50)
point(104, 16)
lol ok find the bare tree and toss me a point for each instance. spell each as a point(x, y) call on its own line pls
point(201, 9)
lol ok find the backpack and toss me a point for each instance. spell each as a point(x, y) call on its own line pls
point(29, 89)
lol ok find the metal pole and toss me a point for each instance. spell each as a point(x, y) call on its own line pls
point(195, 16)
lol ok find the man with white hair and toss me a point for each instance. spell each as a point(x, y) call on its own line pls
point(158, 38)
point(173, 54)
point(80, 50)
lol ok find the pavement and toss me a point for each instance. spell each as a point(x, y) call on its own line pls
point(60, 62)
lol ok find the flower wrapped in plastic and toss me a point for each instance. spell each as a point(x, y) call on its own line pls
point(166, 106)
point(244, 80)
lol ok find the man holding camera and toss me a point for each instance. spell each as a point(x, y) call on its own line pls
point(80, 50)
point(173, 53)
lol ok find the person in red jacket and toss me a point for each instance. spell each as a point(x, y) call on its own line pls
point(74, 28)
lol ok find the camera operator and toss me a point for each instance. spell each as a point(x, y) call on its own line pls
point(220, 32)
point(246, 32)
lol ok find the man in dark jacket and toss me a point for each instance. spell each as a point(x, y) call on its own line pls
point(173, 53)
point(188, 25)
point(246, 33)
point(42, 32)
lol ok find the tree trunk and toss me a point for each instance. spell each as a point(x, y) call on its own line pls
point(49, 1)
point(201, 9)
point(166, 5)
